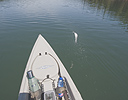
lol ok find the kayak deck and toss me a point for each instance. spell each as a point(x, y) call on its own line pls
point(47, 68)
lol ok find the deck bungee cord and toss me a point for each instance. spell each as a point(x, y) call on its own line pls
point(56, 62)
point(59, 74)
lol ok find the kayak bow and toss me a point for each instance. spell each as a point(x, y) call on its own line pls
point(45, 77)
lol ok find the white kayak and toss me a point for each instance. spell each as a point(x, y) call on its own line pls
point(45, 77)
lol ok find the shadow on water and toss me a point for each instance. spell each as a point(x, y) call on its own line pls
point(116, 9)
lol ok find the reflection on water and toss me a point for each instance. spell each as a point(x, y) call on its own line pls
point(112, 8)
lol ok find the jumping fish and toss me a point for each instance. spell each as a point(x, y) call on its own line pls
point(76, 36)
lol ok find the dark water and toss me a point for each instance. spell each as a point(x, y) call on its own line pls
point(99, 59)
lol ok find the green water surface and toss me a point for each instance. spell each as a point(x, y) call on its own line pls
point(98, 62)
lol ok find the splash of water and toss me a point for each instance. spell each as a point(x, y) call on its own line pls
point(71, 65)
